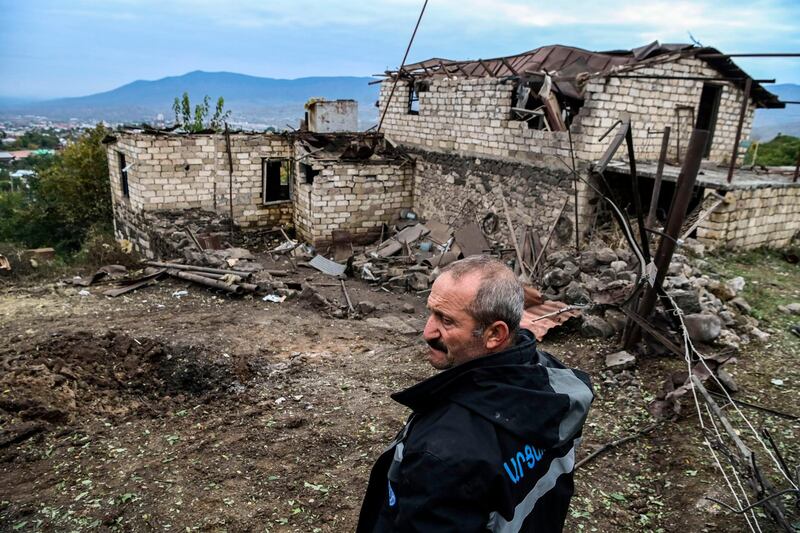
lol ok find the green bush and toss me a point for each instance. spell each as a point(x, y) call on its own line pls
point(779, 152)
point(69, 196)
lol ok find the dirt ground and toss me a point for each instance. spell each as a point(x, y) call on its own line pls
point(203, 412)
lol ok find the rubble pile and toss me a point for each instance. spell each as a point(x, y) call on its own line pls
point(714, 310)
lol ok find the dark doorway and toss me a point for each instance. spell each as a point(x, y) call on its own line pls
point(707, 112)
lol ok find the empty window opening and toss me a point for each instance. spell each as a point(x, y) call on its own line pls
point(707, 112)
point(308, 173)
point(276, 180)
point(123, 175)
point(414, 88)
point(527, 105)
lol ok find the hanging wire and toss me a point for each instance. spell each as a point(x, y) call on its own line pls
point(402, 64)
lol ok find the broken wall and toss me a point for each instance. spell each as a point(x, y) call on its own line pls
point(470, 117)
point(654, 104)
point(353, 196)
point(454, 189)
point(179, 172)
point(753, 218)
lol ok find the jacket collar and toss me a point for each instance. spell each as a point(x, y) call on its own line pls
point(438, 388)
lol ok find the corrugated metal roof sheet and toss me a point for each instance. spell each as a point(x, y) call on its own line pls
point(532, 317)
point(568, 61)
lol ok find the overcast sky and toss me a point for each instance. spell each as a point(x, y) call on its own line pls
point(51, 48)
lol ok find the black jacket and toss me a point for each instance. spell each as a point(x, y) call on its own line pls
point(490, 446)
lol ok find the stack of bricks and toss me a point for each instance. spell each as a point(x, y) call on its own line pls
point(354, 197)
point(753, 218)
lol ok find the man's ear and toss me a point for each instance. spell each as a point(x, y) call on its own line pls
point(496, 336)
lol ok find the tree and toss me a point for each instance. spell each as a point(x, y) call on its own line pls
point(67, 199)
point(197, 122)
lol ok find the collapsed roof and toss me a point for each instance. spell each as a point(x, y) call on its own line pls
point(571, 66)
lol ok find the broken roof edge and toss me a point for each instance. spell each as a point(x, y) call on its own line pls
point(612, 62)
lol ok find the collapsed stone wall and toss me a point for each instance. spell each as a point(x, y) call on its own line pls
point(353, 196)
point(160, 234)
point(753, 218)
point(451, 188)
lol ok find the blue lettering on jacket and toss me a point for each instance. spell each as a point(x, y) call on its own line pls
point(526, 457)
point(392, 498)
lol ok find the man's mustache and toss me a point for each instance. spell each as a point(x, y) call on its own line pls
point(437, 344)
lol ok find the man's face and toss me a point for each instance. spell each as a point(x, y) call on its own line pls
point(449, 331)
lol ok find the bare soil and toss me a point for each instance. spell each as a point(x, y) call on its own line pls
point(153, 412)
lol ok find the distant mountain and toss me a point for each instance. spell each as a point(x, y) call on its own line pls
point(770, 122)
point(251, 98)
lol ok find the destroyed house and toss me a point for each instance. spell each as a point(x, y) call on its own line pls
point(313, 182)
point(519, 124)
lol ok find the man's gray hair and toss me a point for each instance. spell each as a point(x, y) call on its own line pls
point(500, 295)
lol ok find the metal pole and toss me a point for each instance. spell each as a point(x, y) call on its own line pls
point(575, 190)
point(637, 201)
point(662, 158)
point(402, 64)
point(230, 175)
point(677, 214)
point(747, 86)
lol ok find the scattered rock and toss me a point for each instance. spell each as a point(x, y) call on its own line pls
point(687, 301)
point(571, 269)
point(741, 304)
point(366, 307)
point(559, 258)
point(727, 380)
point(793, 308)
point(677, 282)
point(556, 278)
point(576, 294)
point(695, 247)
point(616, 319)
point(607, 275)
point(588, 261)
point(760, 336)
point(703, 327)
point(594, 326)
point(727, 318)
point(619, 266)
point(620, 360)
point(418, 281)
point(729, 339)
point(605, 256)
point(723, 291)
point(736, 284)
point(408, 308)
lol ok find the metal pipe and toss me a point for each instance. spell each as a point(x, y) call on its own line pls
point(178, 266)
point(402, 64)
point(575, 189)
point(721, 56)
point(230, 175)
point(677, 214)
point(690, 78)
point(208, 282)
point(637, 200)
point(662, 158)
point(742, 111)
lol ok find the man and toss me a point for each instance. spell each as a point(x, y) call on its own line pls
point(490, 445)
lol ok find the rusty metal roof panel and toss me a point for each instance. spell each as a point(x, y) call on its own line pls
point(541, 318)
